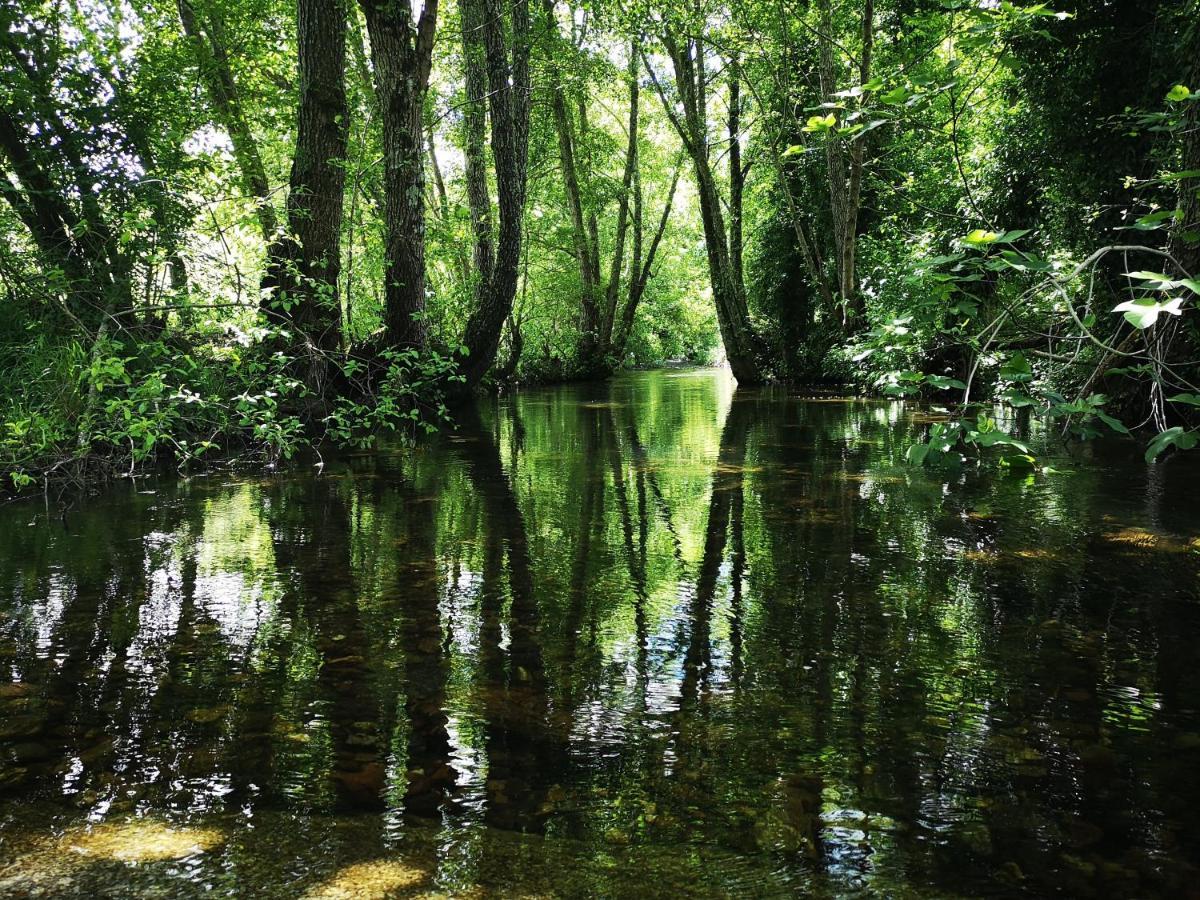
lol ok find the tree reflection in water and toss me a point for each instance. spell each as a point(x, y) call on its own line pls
point(649, 634)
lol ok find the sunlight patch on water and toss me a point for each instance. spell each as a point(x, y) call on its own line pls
point(366, 880)
point(142, 841)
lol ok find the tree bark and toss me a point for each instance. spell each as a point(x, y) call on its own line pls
point(737, 176)
point(729, 292)
point(845, 178)
point(640, 272)
point(462, 264)
point(632, 163)
point(586, 249)
point(305, 263)
point(402, 55)
point(508, 83)
point(479, 197)
point(849, 285)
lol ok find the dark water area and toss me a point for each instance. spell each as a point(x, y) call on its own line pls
point(648, 638)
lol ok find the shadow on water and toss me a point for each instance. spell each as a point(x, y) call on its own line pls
point(650, 637)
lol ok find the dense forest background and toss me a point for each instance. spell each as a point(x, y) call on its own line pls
point(264, 224)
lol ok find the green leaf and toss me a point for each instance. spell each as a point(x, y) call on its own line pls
point(1016, 398)
point(1161, 282)
point(1009, 236)
point(1189, 399)
point(1184, 440)
point(1115, 424)
point(916, 454)
point(1025, 262)
point(820, 123)
point(1021, 462)
point(1180, 176)
point(871, 126)
point(1154, 220)
point(1178, 93)
point(943, 382)
point(997, 438)
point(1017, 368)
point(981, 238)
point(1144, 312)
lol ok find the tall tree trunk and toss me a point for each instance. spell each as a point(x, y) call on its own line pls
point(508, 82)
point(729, 292)
point(845, 178)
point(599, 298)
point(462, 263)
point(402, 56)
point(849, 283)
point(305, 263)
point(586, 249)
point(205, 35)
point(617, 264)
point(810, 249)
point(737, 176)
point(479, 197)
point(592, 224)
point(640, 272)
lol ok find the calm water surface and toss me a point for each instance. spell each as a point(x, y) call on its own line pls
point(648, 638)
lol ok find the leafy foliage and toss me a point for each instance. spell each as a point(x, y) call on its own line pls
point(976, 205)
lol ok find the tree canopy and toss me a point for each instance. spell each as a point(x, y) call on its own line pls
point(258, 224)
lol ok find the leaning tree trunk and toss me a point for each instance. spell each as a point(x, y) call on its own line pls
point(641, 271)
point(305, 263)
point(729, 291)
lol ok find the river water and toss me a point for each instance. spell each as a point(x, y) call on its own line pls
point(647, 638)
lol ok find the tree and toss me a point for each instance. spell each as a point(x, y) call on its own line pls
point(845, 176)
point(205, 33)
point(305, 262)
point(402, 55)
point(507, 67)
point(688, 61)
point(604, 322)
point(57, 191)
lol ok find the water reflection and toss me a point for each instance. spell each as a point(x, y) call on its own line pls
point(645, 637)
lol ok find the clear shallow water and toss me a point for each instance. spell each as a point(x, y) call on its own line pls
point(639, 639)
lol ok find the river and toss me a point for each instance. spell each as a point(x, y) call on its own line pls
point(653, 637)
